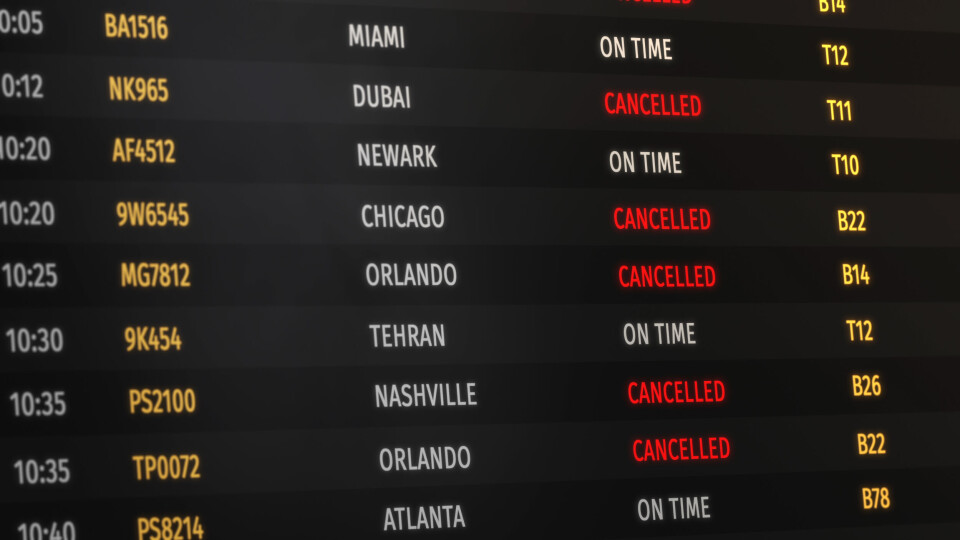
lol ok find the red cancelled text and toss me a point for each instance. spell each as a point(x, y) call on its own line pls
point(651, 104)
point(681, 449)
point(676, 392)
point(667, 277)
point(662, 219)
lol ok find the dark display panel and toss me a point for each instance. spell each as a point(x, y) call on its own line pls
point(599, 269)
